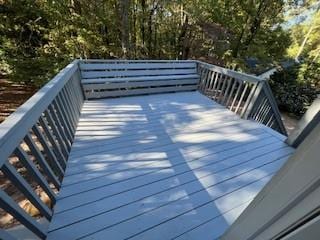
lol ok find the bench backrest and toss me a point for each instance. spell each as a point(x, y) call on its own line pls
point(113, 78)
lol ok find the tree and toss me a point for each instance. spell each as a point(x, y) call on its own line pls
point(40, 36)
point(305, 34)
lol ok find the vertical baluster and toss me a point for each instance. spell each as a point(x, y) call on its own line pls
point(209, 88)
point(73, 90)
point(15, 210)
point(226, 93)
point(62, 117)
point(219, 83)
point(72, 101)
point(199, 70)
point(69, 104)
point(206, 88)
point(79, 86)
point(56, 133)
point(231, 92)
point(242, 96)
point(251, 99)
point(265, 111)
point(237, 95)
point(268, 115)
point(41, 160)
point(75, 103)
point(12, 174)
point(259, 108)
point(274, 126)
point(58, 168)
point(212, 80)
point(256, 100)
point(61, 158)
point(204, 80)
point(269, 121)
point(76, 86)
point(222, 90)
point(34, 172)
point(59, 124)
point(216, 80)
point(67, 113)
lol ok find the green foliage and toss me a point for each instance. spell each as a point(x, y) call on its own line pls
point(310, 72)
point(305, 35)
point(38, 37)
point(295, 88)
point(24, 36)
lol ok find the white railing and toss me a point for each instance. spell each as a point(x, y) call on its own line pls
point(247, 95)
point(39, 135)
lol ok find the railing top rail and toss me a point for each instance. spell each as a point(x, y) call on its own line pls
point(15, 127)
point(133, 61)
point(231, 73)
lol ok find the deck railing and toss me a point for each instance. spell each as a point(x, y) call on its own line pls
point(38, 138)
point(247, 95)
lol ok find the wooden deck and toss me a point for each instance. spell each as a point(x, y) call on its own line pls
point(167, 166)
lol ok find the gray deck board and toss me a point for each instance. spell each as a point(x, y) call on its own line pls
point(168, 166)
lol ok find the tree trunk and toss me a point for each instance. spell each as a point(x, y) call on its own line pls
point(255, 26)
point(304, 42)
point(143, 34)
point(312, 27)
point(182, 48)
point(125, 27)
point(236, 50)
point(316, 56)
point(149, 42)
point(134, 30)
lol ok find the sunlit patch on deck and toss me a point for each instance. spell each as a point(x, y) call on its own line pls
point(162, 167)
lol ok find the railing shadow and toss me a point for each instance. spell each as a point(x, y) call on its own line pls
point(142, 186)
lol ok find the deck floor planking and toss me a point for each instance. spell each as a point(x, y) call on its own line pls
point(166, 166)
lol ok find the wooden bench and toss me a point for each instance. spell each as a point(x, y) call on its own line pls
point(124, 78)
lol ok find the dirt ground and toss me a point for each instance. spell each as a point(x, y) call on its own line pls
point(12, 95)
point(290, 122)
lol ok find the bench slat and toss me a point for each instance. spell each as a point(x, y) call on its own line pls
point(98, 86)
point(130, 73)
point(132, 92)
point(115, 66)
point(144, 78)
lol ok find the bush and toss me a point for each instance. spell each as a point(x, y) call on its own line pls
point(296, 87)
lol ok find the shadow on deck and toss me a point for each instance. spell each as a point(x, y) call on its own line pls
point(169, 166)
